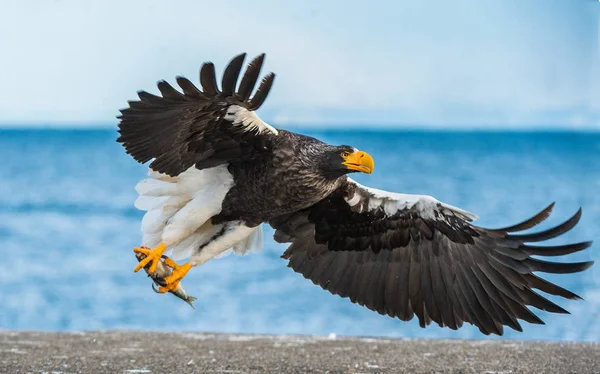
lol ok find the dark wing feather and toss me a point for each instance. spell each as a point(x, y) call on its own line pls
point(261, 93)
point(179, 130)
point(406, 255)
point(231, 74)
point(249, 79)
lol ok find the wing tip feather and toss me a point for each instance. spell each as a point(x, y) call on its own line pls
point(529, 223)
point(549, 233)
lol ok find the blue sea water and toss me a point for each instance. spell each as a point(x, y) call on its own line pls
point(68, 225)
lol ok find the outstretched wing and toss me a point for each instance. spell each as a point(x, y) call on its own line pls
point(203, 128)
point(403, 255)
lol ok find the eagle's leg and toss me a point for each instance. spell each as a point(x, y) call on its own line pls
point(152, 256)
point(179, 271)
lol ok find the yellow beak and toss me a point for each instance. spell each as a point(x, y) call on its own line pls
point(359, 161)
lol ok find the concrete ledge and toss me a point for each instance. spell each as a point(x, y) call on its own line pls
point(151, 352)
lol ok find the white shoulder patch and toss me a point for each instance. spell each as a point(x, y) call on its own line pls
point(241, 116)
point(367, 198)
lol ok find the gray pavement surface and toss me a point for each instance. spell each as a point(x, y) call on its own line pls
point(153, 352)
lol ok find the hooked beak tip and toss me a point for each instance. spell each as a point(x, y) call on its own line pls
point(360, 161)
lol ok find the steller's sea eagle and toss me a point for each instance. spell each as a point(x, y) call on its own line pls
point(219, 172)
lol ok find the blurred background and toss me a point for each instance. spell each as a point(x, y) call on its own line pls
point(493, 106)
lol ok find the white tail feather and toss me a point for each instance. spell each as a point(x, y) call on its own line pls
point(186, 247)
point(144, 202)
point(179, 210)
point(257, 243)
point(194, 214)
point(160, 176)
point(187, 183)
point(152, 239)
point(161, 202)
point(233, 232)
point(252, 243)
point(155, 187)
point(224, 253)
point(178, 206)
point(157, 218)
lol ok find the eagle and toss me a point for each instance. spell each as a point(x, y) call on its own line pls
point(218, 172)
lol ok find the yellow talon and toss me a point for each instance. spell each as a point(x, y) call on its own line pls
point(152, 256)
point(172, 281)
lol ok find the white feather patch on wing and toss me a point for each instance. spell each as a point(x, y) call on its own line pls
point(241, 116)
point(367, 198)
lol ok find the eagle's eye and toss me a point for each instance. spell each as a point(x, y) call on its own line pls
point(345, 154)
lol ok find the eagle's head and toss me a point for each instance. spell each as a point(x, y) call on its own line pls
point(337, 161)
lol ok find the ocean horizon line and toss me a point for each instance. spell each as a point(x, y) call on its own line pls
point(332, 128)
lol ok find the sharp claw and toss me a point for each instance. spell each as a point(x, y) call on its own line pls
point(162, 289)
point(157, 290)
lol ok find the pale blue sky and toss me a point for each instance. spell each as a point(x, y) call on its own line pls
point(477, 63)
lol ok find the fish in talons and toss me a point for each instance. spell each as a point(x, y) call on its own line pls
point(164, 269)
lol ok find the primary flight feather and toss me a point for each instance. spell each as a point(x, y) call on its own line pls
point(218, 172)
